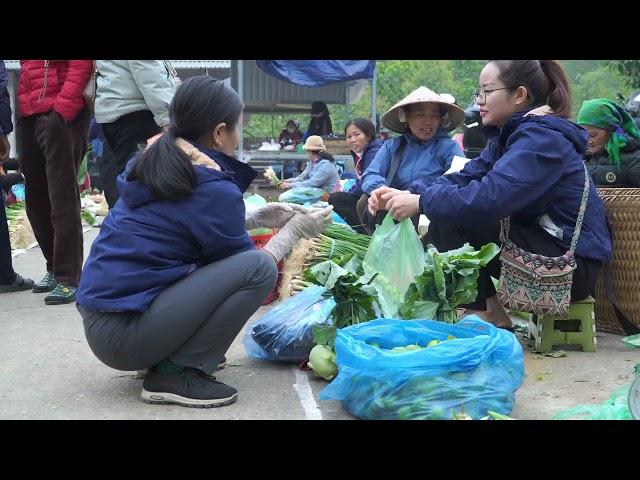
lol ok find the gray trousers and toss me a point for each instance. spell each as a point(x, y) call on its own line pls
point(192, 322)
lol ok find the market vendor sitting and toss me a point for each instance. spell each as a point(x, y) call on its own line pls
point(424, 148)
point(321, 172)
point(290, 136)
point(613, 148)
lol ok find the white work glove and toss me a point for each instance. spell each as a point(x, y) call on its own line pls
point(272, 215)
point(302, 225)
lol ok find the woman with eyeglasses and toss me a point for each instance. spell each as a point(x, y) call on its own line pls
point(531, 171)
point(613, 150)
point(173, 275)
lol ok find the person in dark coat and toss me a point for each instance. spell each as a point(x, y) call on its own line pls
point(613, 150)
point(10, 281)
point(173, 275)
point(361, 139)
point(531, 171)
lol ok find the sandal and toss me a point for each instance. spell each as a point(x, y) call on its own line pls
point(18, 285)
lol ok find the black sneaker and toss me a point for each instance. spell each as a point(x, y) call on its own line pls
point(47, 284)
point(61, 295)
point(143, 373)
point(190, 388)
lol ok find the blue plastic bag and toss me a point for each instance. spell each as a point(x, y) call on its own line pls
point(18, 191)
point(480, 369)
point(285, 333)
point(301, 195)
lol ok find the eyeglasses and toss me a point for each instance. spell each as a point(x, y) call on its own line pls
point(481, 95)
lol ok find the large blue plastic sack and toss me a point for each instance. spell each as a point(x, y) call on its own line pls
point(481, 369)
point(301, 195)
point(285, 333)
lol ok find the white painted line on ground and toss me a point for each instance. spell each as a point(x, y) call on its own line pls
point(305, 394)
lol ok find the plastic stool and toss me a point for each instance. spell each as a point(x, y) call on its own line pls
point(545, 333)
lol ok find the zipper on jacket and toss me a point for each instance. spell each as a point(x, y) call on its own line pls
point(44, 85)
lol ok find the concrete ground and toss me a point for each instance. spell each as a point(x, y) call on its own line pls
point(47, 371)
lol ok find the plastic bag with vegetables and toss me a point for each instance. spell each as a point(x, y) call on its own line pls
point(397, 255)
point(473, 367)
point(285, 333)
point(301, 195)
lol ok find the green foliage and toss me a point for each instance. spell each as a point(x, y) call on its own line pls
point(397, 78)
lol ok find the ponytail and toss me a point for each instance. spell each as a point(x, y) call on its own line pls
point(559, 94)
point(165, 169)
point(545, 81)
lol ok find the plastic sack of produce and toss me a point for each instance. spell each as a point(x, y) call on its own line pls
point(615, 408)
point(285, 333)
point(301, 195)
point(435, 370)
point(397, 254)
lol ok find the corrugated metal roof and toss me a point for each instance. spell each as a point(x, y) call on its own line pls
point(182, 64)
point(263, 92)
point(186, 64)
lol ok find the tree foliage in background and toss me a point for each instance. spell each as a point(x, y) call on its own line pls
point(397, 78)
point(630, 70)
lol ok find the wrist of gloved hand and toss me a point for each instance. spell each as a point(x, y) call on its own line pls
point(302, 225)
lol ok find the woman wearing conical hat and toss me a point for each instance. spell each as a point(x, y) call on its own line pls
point(423, 120)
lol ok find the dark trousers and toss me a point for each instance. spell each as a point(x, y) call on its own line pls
point(7, 275)
point(532, 238)
point(124, 137)
point(51, 149)
point(192, 322)
point(344, 204)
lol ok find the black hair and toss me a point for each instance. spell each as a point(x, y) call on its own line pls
point(321, 125)
point(326, 156)
point(545, 80)
point(199, 104)
point(364, 125)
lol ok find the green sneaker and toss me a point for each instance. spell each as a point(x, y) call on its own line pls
point(61, 294)
point(47, 284)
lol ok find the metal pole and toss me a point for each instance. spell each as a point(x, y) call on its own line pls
point(374, 95)
point(241, 95)
point(346, 103)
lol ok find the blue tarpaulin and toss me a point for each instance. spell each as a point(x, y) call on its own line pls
point(316, 73)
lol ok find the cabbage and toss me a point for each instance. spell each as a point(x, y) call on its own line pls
point(322, 361)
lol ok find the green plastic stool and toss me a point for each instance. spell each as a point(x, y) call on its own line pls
point(543, 329)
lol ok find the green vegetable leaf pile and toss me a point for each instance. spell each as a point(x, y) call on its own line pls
point(449, 279)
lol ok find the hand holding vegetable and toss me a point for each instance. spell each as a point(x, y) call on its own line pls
point(302, 225)
point(404, 206)
point(273, 215)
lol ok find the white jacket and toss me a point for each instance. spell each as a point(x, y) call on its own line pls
point(126, 86)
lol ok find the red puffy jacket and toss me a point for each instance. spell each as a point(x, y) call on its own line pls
point(47, 85)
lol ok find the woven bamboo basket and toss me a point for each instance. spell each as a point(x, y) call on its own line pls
point(337, 146)
point(623, 207)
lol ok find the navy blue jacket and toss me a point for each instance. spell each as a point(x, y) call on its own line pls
point(6, 126)
point(368, 154)
point(531, 167)
point(146, 244)
point(425, 160)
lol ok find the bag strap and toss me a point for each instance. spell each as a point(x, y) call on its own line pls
point(583, 207)
point(397, 157)
point(505, 223)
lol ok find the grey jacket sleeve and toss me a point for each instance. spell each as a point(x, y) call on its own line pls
point(153, 80)
point(320, 178)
